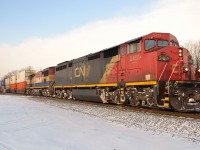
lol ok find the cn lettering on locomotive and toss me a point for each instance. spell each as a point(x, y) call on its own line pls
point(80, 71)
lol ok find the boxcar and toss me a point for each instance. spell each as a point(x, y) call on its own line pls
point(2, 85)
point(13, 84)
point(7, 84)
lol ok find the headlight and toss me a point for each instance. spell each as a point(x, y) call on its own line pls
point(163, 58)
point(185, 69)
point(198, 70)
point(180, 52)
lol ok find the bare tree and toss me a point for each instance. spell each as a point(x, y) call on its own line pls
point(14, 72)
point(194, 48)
point(29, 68)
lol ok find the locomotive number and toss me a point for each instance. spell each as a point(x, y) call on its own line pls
point(156, 35)
point(135, 57)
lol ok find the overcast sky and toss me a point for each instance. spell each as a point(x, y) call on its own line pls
point(43, 33)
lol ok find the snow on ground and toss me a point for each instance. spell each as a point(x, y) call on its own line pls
point(29, 124)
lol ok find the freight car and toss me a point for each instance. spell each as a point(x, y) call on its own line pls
point(18, 83)
point(7, 84)
point(22, 79)
point(151, 71)
point(2, 85)
point(13, 84)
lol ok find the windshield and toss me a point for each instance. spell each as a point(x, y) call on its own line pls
point(162, 43)
point(149, 44)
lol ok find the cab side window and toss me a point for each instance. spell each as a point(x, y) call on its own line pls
point(123, 51)
point(149, 44)
point(174, 43)
point(134, 47)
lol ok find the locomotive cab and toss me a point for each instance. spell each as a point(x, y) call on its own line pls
point(172, 61)
point(158, 57)
point(175, 74)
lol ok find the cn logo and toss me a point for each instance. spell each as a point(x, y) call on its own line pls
point(80, 71)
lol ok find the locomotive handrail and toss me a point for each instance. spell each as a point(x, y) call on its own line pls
point(162, 72)
point(171, 75)
point(173, 70)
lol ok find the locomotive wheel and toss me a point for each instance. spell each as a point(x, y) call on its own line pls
point(65, 96)
point(103, 96)
point(70, 96)
point(117, 99)
point(177, 102)
point(60, 95)
point(40, 93)
point(47, 92)
point(133, 101)
point(150, 102)
point(44, 92)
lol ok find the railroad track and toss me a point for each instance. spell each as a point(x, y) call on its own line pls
point(192, 115)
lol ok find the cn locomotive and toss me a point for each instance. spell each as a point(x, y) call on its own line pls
point(151, 71)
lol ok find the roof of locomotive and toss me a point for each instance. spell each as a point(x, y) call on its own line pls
point(138, 38)
point(47, 68)
point(129, 41)
point(106, 49)
point(65, 62)
point(62, 63)
point(38, 72)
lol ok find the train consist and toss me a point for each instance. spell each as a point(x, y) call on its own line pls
point(150, 71)
point(16, 83)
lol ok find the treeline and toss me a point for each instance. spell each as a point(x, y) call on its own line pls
point(194, 49)
point(14, 72)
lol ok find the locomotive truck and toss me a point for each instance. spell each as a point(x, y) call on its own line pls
point(150, 71)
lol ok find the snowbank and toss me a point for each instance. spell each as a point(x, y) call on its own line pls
point(49, 124)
